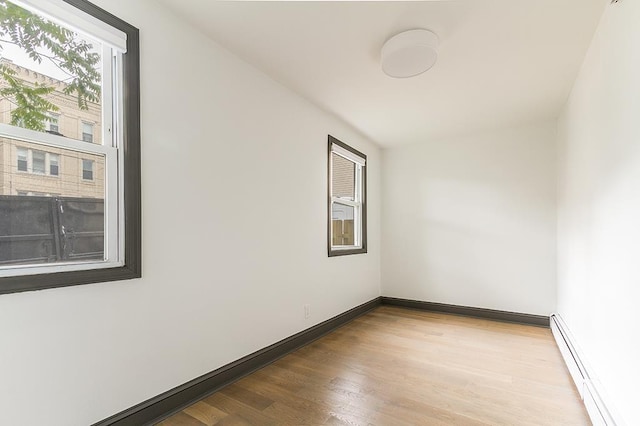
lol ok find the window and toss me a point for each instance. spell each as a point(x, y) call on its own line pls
point(22, 160)
point(347, 227)
point(87, 169)
point(87, 132)
point(38, 160)
point(82, 60)
point(53, 123)
point(54, 167)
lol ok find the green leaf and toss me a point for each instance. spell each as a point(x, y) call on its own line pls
point(43, 40)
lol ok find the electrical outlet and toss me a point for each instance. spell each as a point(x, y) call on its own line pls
point(307, 311)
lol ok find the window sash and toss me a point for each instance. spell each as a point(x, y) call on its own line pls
point(357, 225)
point(357, 203)
point(114, 230)
point(358, 192)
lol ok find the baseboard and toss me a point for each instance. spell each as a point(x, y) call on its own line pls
point(516, 317)
point(600, 412)
point(162, 406)
point(174, 400)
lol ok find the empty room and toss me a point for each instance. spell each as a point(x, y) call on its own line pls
point(319, 212)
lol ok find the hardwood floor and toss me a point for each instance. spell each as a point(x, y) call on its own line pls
point(396, 367)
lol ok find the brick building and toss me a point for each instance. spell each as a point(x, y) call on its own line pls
point(31, 169)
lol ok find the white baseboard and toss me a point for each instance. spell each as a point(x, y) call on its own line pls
point(588, 386)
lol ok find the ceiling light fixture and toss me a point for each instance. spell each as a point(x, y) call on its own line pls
point(409, 53)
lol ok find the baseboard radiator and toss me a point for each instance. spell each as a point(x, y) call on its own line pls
point(599, 411)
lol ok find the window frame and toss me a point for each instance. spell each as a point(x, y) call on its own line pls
point(360, 190)
point(129, 179)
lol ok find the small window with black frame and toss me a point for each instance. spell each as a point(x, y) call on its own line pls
point(347, 224)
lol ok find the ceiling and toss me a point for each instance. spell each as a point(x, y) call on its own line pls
point(501, 62)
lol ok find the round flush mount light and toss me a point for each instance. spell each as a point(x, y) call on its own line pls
point(409, 53)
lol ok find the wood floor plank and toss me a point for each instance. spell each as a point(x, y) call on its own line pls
point(237, 410)
point(205, 413)
point(396, 366)
point(246, 396)
point(235, 420)
point(182, 419)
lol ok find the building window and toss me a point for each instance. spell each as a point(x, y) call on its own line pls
point(38, 160)
point(347, 227)
point(87, 169)
point(87, 132)
point(53, 123)
point(54, 165)
point(82, 60)
point(23, 162)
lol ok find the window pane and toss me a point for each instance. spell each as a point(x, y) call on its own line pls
point(343, 179)
point(55, 217)
point(50, 229)
point(65, 66)
point(342, 229)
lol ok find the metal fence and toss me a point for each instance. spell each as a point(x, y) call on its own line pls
point(50, 229)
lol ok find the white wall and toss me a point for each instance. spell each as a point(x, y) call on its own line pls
point(471, 221)
point(234, 241)
point(599, 208)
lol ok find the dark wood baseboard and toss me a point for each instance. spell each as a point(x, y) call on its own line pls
point(162, 406)
point(538, 320)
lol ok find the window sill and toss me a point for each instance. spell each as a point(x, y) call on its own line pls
point(16, 284)
point(345, 252)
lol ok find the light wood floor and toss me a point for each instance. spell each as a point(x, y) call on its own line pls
point(397, 367)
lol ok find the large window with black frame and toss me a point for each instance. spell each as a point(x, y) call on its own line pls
point(69, 143)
